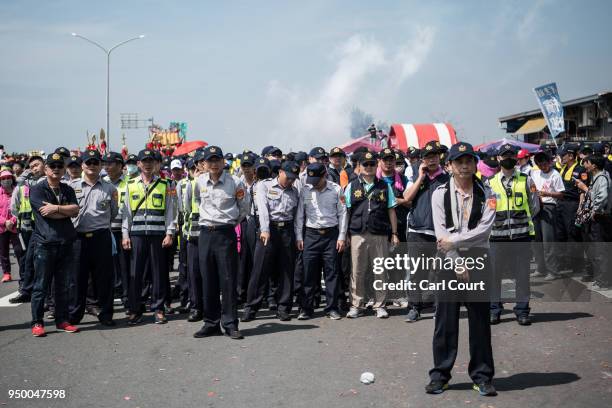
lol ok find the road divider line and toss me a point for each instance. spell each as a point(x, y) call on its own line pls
point(4, 300)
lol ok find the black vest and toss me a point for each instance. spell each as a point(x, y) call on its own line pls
point(369, 211)
point(421, 218)
point(477, 205)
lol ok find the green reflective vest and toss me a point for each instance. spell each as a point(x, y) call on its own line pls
point(512, 213)
point(150, 218)
point(25, 217)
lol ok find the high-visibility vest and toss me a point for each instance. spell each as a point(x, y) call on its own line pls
point(150, 218)
point(121, 191)
point(512, 213)
point(193, 228)
point(25, 218)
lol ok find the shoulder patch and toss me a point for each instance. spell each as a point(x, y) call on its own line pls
point(240, 193)
point(492, 202)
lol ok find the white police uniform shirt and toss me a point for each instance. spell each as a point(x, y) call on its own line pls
point(321, 209)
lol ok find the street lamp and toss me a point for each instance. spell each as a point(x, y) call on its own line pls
point(108, 53)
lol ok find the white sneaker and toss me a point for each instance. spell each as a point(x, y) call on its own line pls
point(381, 313)
point(401, 302)
point(354, 313)
point(370, 303)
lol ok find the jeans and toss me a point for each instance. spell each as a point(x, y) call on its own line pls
point(51, 261)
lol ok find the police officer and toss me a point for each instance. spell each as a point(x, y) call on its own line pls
point(517, 203)
point(248, 226)
point(98, 206)
point(191, 232)
point(277, 202)
point(421, 232)
point(73, 167)
point(337, 169)
point(321, 210)
point(113, 164)
point(223, 204)
point(148, 225)
point(21, 208)
point(371, 208)
point(463, 211)
point(567, 207)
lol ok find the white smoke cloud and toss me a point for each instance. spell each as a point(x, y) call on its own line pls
point(363, 66)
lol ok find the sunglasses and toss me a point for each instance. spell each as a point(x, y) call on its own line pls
point(369, 164)
point(56, 166)
point(92, 162)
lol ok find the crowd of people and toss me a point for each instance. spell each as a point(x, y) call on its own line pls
point(263, 231)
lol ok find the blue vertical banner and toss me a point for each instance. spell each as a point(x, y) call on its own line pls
point(552, 108)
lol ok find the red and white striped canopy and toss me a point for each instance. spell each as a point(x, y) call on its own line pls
point(403, 135)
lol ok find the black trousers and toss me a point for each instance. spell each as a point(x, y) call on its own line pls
point(420, 244)
point(511, 261)
point(121, 264)
point(570, 257)
point(7, 239)
point(93, 258)
point(248, 238)
point(320, 252)
point(52, 262)
point(26, 265)
point(147, 249)
point(193, 274)
point(599, 235)
point(182, 283)
point(275, 260)
point(446, 330)
point(218, 252)
point(446, 340)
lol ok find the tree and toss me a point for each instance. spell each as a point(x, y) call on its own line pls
point(360, 121)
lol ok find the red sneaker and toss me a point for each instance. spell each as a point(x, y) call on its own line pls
point(38, 330)
point(6, 277)
point(67, 327)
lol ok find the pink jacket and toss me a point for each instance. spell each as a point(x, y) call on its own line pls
point(5, 211)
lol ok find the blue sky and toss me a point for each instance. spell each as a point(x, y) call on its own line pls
point(250, 74)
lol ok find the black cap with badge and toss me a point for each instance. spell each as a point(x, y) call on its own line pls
point(247, 159)
point(318, 153)
point(386, 153)
point(368, 157)
point(291, 169)
point(431, 147)
point(113, 157)
point(90, 155)
point(132, 158)
point(211, 152)
point(314, 173)
point(54, 158)
point(336, 151)
point(507, 148)
point(62, 151)
point(74, 160)
point(146, 154)
point(461, 149)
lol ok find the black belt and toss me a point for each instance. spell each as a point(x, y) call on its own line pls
point(212, 228)
point(281, 224)
point(91, 234)
point(322, 231)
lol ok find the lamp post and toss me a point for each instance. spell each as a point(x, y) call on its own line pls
point(108, 53)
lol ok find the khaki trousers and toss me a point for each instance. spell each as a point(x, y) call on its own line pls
point(364, 248)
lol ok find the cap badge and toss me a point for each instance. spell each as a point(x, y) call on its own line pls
point(462, 148)
point(212, 150)
point(55, 156)
point(147, 152)
point(311, 173)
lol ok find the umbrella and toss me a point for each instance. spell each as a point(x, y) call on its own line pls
point(492, 146)
point(189, 147)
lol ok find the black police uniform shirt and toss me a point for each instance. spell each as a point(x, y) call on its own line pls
point(48, 230)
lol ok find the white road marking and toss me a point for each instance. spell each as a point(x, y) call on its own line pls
point(5, 303)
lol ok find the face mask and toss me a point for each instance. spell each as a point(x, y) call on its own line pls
point(7, 183)
point(508, 163)
point(132, 169)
